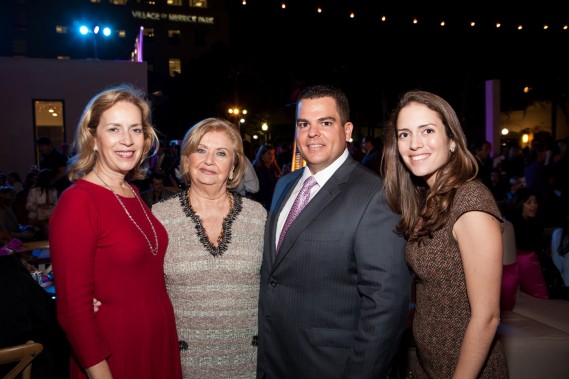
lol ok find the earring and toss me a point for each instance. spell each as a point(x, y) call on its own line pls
point(452, 149)
point(231, 175)
point(95, 150)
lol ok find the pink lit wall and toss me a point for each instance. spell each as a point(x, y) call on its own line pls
point(72, 81)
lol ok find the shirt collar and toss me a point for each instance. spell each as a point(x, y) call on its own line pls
point(324, 175)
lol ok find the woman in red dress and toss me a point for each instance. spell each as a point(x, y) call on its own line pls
point(106, 244)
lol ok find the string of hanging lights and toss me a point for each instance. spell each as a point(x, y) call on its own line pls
point(546, 20)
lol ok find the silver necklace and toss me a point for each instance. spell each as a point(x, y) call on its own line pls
point(154, 251)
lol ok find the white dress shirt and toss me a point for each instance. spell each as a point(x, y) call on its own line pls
point(321, 178)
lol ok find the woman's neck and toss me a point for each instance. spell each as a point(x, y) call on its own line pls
point(208, 196)
point(110, 178)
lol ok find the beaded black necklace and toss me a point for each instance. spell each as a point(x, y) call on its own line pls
point(225, 237)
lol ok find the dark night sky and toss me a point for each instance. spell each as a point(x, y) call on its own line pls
point(272, 52)
point(375, 62)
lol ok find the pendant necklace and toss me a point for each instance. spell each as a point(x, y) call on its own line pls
point(154, 251)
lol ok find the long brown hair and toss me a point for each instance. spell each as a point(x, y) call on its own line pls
point(425, 210)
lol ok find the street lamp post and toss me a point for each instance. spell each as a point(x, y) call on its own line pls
point(94, 33)
point(238, 113)
point(265, 129)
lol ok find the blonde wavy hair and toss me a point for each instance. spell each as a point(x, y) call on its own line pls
point(195, 134)
point(85, 158)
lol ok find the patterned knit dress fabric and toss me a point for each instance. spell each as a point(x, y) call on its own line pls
point(215, 298)
point(442, 310)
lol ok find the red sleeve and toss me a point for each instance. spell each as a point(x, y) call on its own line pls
point(74, 231)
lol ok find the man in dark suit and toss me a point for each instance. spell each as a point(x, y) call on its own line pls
point(334, 296)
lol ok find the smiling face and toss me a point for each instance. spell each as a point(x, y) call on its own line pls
point(212, 161)
point(119, 138)
point(320, 135)
point(422, 141)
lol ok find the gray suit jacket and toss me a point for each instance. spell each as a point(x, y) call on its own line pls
point(334, 302)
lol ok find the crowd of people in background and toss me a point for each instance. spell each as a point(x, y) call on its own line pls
point(531, 187)
point(541, 166)
point(268, 162)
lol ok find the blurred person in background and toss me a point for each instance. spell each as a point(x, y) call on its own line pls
point(13, 179)
point(9, 222)
point(560, 250)
point(157, 192)
point(249, 185)
point(268, 172)
point(41, 201)
point(372, 146)
point(53, 159)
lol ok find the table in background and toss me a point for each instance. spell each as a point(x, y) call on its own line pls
point(36, 253)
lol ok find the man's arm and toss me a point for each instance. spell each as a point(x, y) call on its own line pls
point(384, 285)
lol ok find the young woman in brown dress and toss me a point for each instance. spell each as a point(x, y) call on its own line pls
point(453, 228)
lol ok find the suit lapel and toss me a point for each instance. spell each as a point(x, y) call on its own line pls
point(331, 189)
point(280, 198)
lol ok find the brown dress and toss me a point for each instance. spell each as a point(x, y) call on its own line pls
point(442, 310)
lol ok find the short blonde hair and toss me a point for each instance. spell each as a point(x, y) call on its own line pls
point(194, 136)
point(85, 159)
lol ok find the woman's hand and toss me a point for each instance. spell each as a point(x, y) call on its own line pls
point(96, 305)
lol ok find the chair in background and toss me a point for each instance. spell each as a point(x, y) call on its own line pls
point(23, 355)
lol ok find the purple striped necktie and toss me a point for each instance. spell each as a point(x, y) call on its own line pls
point(299, 203)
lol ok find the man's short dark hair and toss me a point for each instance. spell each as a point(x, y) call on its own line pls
point(319, 91)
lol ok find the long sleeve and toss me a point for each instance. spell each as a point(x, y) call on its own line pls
point(73, 239)
point(250, 182)
point(334, 301)
point(99, 251)
point(384, 285)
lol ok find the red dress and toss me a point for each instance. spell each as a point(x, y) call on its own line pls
point(98, 252)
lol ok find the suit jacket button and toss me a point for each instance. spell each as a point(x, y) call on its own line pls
point(273, 282)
